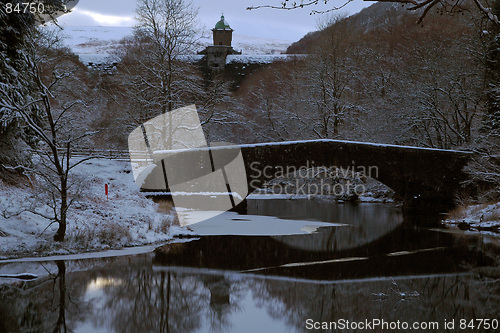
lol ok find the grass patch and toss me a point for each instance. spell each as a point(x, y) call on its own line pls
point(113, 233)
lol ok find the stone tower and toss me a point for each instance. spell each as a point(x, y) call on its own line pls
point(223, 34)
point(216, 54)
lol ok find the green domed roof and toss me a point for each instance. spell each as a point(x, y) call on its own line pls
point(222, 24)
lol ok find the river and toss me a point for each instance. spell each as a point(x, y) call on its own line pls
point(287, 266)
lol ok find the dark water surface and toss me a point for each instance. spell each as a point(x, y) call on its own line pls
point(371, 264)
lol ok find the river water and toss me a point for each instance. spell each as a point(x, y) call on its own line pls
point(287, 266)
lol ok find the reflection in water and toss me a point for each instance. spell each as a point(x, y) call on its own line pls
point(39, 306)
point(190, 300)
point(149, 302)
point(329, 226)
point(259, 284)
point(164, 301)
point(61, 276)
point(425, 299)
point(364, 223)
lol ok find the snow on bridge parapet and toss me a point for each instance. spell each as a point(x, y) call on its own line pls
point(288, 143)
point(261, 59)
point(423, 178)
point(353, 142)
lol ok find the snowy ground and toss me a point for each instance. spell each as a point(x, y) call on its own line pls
point(127, 218)
point(482, 218)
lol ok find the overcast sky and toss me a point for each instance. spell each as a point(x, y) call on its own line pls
point(265, 23)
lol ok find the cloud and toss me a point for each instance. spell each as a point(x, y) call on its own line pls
point(82, 17)
point(108, 20)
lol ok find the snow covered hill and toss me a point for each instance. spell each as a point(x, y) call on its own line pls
point(94, 44)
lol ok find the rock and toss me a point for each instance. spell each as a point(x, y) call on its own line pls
point(462, 225)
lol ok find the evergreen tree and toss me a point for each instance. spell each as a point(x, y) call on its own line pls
point(492, 120)
point(15, 30)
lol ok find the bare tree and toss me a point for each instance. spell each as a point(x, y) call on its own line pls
point(167, 29)
point(449, 95)
point(51, 113)
point(276, 102)
point(159, 75)
point(484, 170)
point(331, 72)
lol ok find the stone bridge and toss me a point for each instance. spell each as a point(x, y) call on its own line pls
point(422, 178)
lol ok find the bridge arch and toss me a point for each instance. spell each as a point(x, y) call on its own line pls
point(422, 178)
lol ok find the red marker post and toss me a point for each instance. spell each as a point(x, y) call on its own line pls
point(106, 189)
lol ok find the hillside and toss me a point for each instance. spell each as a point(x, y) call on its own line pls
point(380, 15)
point(93, 44)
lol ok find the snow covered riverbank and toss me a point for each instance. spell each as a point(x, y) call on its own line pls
point(484, 218)
point(95, 223)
